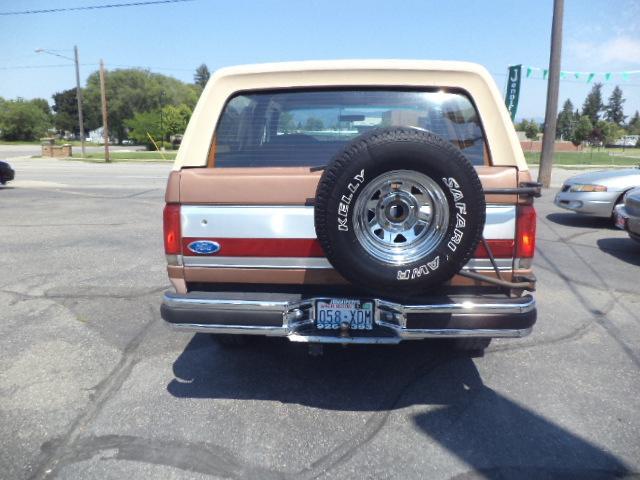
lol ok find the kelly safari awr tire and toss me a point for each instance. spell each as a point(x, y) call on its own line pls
point(399, 208)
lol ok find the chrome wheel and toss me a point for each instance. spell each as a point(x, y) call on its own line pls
point(401, 216)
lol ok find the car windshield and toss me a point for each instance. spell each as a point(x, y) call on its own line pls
point(307, 128)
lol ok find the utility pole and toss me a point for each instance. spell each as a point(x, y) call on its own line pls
point(105, 123)
point(553, 86)
point(79, 95)
point(161, 123)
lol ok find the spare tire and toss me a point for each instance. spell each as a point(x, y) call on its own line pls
point(399, 210)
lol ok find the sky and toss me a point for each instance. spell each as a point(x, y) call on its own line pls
point(173, 39)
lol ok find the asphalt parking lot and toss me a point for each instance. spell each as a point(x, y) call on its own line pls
point(92, 385)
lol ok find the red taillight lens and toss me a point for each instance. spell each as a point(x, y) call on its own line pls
point(171, 221)
point(526, 231)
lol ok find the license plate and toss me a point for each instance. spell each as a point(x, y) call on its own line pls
point(332, 313)
point(620, 221)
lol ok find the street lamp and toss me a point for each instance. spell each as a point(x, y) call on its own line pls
point(78, 90)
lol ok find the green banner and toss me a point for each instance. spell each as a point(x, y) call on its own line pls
point(513, 89)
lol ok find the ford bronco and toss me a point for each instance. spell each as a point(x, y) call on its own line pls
point(351, 202)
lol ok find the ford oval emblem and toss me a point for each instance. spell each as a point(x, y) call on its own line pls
point(204, 247)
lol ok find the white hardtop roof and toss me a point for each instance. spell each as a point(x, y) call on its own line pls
point(503, 142)
point(356, 64)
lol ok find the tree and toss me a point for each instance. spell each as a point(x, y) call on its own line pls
point(532, 130)
point(23, 120)
point(606, 132)
point(286, 122)
point(65, 107)
point(313, 123)
point(42, 104)
point(582, 131)
point(143, 125)
point(614, 110)
point(593, 104)
point(174, 121)
point(201, 77)
point(634, 124)
point(566, 121)
point(133, 91)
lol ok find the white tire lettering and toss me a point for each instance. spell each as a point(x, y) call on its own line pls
point(403, 274)
point(343, 206)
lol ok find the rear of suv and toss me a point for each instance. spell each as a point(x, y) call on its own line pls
point(351, 202)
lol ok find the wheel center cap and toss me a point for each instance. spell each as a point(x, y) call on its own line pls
point(397, 211)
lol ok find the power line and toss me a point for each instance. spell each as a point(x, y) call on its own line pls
point(93, 7)
point(152, 68)
point(142, 67)
point(21, 67)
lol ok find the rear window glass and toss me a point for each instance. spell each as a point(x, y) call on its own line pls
point(307, 128)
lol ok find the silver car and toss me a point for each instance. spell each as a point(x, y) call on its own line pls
point(597, 193)
point(627, 215)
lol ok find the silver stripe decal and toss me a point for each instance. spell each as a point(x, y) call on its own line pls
point(222, 221)
point(258, 262)
point(311, 263)
point(500, 223)
point(247, 222)
point(485, 264)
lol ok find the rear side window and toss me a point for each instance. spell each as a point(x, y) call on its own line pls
point(308, 127)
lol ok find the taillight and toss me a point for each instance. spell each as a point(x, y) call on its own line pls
point(172, 234)
point(526, 231)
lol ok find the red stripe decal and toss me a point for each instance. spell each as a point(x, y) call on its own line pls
point(309, 247)
point(261, 247)
point(499, 248)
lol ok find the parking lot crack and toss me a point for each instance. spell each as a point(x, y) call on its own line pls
point(198, 457)
point(105, 390)
point(374, 424)
point(599, 317)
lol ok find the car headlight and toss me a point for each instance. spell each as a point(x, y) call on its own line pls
point(578, 187)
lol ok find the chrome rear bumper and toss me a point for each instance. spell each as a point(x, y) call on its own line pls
point(393, 322)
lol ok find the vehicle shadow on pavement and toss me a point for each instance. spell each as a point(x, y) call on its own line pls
point(500, 438)
point(625, 249)
point(583, 221)
point(451, 405)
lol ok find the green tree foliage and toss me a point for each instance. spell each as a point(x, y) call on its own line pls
point(530, 128)
point(605, 132)
point(614, 111)
point(313, 124)
point(593, 104)
point(133, 91)
point(24, 119)
point(286, 122)
point(566, 121)
point(144, 124)
point(582, 131)
point(174, 121)
point(634, 124)
point(42, 104)
point(65, 106)
point(201, 77)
